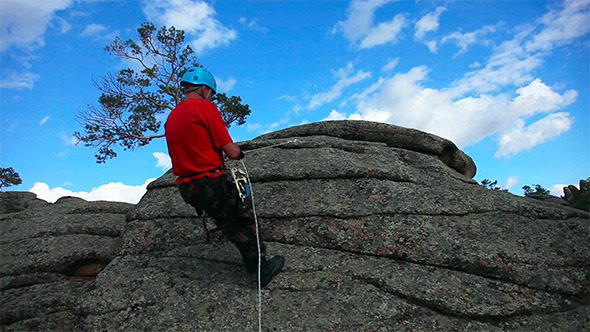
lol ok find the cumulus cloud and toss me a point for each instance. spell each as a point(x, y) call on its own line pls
point(226, 85)
point(497, 98)
point(346, 77)
point(521, 137)
point(164, 161)
point(511, 182)
point(557, 189)
point(23, 22)
point(114, 191)
point(335, 115)
point(428, 23)
point(403, 100)
point(361, 29)
point(196, 18)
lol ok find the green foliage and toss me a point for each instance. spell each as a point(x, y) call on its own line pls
point(528, 191)
point(492, 185)
point(133, 101)
point(231, 109)
point(9, 177)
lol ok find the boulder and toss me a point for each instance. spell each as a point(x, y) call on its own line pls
point(48, 251)
point(578, 198)
point(382, 227)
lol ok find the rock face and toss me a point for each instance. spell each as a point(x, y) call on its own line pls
point(382, 227)
point(49, 252)
point(578, 198)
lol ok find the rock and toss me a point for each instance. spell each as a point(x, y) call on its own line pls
point(547, 198)
point(578, 198)
point(393, 136)
point(16, 201)
point(378, 235)
point(43, 248)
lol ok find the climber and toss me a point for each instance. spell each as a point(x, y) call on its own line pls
point(197, 139)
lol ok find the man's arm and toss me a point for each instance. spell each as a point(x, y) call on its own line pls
point(233, 151)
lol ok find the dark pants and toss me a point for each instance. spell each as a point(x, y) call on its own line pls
point(219, 198)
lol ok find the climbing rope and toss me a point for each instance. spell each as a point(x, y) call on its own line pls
point(259, 272)
point(272, 146)
point(258, 244)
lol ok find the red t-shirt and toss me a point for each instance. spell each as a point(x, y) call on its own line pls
point(195, 133)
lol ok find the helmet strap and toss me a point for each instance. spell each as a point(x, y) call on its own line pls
point(195, 89)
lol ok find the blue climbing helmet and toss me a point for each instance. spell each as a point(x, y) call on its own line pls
point(198, 76)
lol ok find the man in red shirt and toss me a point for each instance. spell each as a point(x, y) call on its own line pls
point(197, 142)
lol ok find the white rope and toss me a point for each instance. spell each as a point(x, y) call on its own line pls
point(272, 146)
point(258, 244)
point(258, 229)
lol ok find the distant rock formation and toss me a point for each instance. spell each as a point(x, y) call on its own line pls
point(578, 198)
point(383, 229)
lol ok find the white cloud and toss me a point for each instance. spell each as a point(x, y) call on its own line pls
point(464, 40)
point(114, 191)
point(384, 32)
point(538, 97)
point(347, 76)
point(18, 80)
point(432, 46)
point(23, 22)
point(252, 126)
point(561, 26)
point(335, 115)
point(557, 189)
point(253, 25)
point(44, 120)
point(67, 139)
point(511, 182)
point(391, 64)
point(497, 97)
point(404, 101)
point(225, 85)
point(428, 23)
point(93, 29)
point(513, 62)
point(262, 129)
point(359, 27)
point(164, 161)
point(99, 31)
point(519, 137)
point(195, 17)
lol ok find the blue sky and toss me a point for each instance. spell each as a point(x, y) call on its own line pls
point(507, 81)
